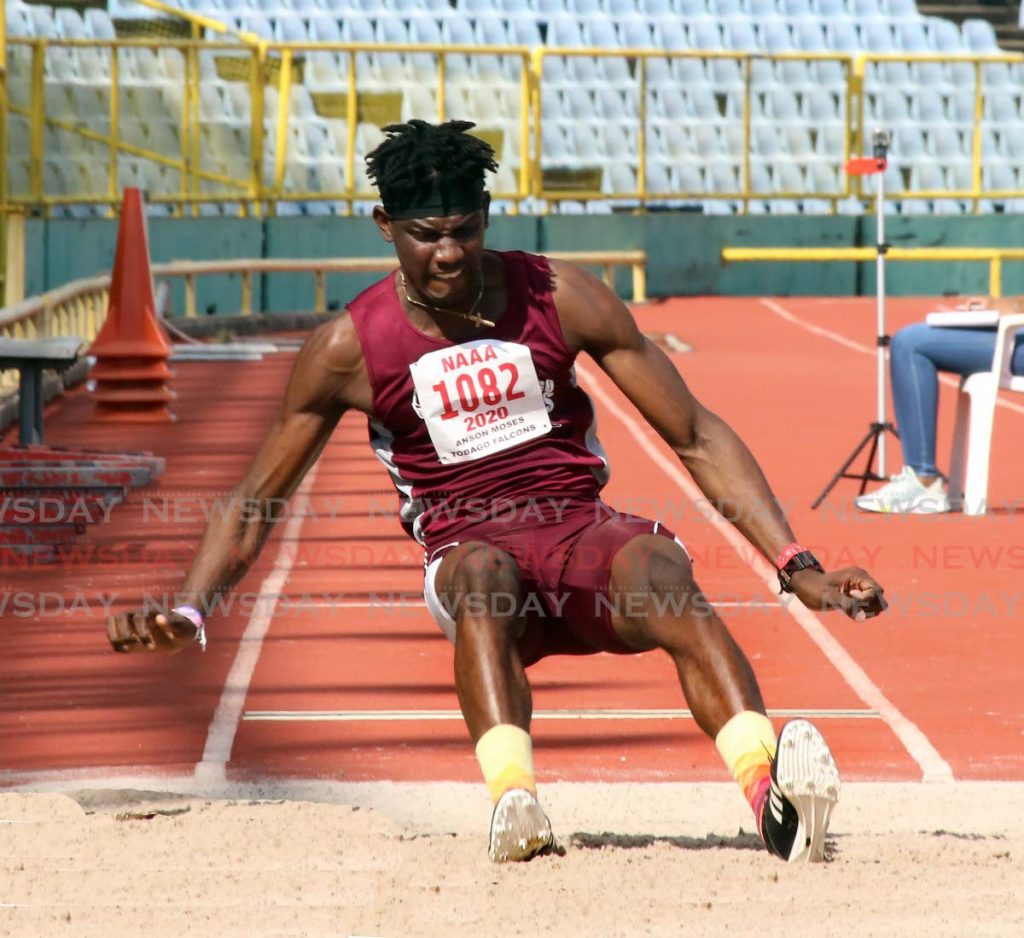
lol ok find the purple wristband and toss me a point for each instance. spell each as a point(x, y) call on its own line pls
point(196, 618)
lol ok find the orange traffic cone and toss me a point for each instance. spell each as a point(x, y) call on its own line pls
point(131, 352)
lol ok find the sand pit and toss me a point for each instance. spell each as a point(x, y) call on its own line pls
point(396, 860)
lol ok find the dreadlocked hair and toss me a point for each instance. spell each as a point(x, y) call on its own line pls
point(416, 155)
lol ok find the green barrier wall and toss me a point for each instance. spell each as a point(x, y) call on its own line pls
point(70, 249)
point(920, 278)
point(352, 237)
point(683, 249)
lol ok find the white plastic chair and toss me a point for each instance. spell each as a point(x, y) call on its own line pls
point(975, 413)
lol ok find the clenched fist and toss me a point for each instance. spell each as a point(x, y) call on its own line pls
point(166, 633)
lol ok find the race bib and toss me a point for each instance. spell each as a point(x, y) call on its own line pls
point(479, 398)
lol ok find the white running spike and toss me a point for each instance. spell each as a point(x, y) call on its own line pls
point(519, 828)
point(807, 775)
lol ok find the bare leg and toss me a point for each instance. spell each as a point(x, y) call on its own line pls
point(670, 612)
point(481, 585)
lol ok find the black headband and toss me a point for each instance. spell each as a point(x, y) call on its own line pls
point(442, 197)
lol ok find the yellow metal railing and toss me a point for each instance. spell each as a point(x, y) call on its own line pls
point(250, 177)
point(78, 308)
point(975, 65)
point(643, 57)
point(994, 257)
point(189, 271)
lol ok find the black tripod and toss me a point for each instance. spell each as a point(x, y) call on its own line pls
point(874, 439)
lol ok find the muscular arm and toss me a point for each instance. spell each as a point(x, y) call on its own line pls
point(597, 322)
point(327, 379)
point(594, 320)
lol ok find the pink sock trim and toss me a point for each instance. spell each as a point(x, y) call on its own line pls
point(758, 798)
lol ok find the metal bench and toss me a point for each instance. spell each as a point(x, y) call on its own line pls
point(30, 357)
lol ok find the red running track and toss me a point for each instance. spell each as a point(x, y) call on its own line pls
point(928, 689)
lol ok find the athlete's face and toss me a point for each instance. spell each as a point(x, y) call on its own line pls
point(441, 257)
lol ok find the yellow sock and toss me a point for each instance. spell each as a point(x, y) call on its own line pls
point(747, 744)
point(505, 754)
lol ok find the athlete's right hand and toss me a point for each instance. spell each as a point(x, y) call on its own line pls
point(165, 633)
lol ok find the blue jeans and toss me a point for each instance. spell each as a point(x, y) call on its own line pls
point(917, 354)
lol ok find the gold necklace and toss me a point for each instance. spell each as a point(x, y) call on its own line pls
point(472, 316)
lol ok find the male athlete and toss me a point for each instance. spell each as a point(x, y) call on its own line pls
point(463, 362)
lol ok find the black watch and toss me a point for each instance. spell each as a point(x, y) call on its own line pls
point(805, 560)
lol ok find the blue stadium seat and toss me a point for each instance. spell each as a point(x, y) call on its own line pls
point(635, 33)
point(717, 207)
point(959, 175)
point(945, 143)
point(564, 30)
point(999, 174)
point(585, 9)
point(705, 34)
point(688, 178)
point(601, 34)
point(1001, 106)
point(670, 104)
point(911, 35)
point(703, 104)
point(842, 36)
point(901, 9)
point(707, 143)
point(788, 177)
point(927, 107)
point(18, 21)
point(943, 34)
point(823, 178)
point(524, 32)
point(829, 139)
point(722, 177)
point(657, 10)
point(491, 30)
point(739, 35)
point(69, 24)
point(796, 10)
point(829, 9)
point(677, 143)
point(889, 107)
point(798, 140)
point(979, 36)
point(724, 9)
point(618, 178)
point(865, 10)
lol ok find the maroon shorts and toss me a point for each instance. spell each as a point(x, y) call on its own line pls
point(564, 566)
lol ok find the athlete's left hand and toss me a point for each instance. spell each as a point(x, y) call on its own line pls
point(853, 590)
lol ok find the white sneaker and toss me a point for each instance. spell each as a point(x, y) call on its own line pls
point(906, 494)
point(520, 829)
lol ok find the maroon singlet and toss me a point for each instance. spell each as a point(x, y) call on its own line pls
point(494, 422)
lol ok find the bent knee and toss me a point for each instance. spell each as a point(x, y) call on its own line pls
point(480, 567)
point(905, 341)
point(652, 564)
point(479, 586)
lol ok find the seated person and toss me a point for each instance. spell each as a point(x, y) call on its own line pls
point(916, 356)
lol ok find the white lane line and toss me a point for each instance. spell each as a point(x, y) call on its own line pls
point(779, 310)
point(220, 737)
point(416, 716)
point(933, 767)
